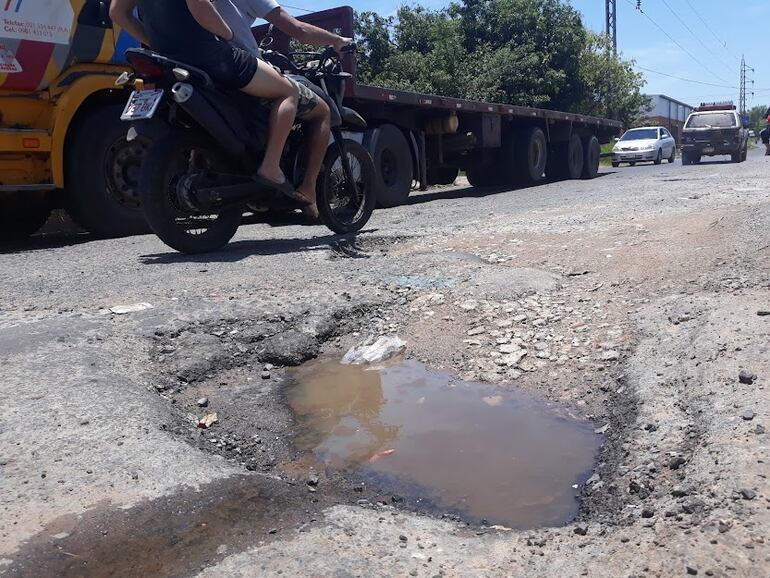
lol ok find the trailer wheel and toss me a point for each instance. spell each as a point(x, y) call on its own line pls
point(525, 155)
point(442, 175)
point(592, 153)
point(103, 175)
point(393, 163)
point(483, 175)
point(21, 214)
point(566, 160)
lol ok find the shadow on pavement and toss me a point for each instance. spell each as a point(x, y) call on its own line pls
point(479, 192)
point(341, 245)
point(46, 241)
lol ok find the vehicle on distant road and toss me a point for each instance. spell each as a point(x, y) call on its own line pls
point(714, 129)
point(648, 143)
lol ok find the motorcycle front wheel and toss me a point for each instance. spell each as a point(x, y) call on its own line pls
point(344, 208)
point(170, 161)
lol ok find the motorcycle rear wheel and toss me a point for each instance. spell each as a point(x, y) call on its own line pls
point(341, 209)
point(169, 159)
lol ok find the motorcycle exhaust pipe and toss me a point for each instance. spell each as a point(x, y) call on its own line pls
point(215, 198)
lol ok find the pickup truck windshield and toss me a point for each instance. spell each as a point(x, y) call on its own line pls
point(712, 120)
point(641, 134)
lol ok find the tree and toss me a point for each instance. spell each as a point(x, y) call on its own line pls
point(528, 52)
point(758, 117)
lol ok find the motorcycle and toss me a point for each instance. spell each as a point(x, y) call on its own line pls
point(198, 176)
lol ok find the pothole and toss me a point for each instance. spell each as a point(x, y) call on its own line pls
point(483, 453)
point(364, 247)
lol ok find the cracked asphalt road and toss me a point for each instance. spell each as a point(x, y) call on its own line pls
point(634, 299)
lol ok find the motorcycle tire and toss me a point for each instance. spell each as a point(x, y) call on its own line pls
point(341, 211)
point(170, 157)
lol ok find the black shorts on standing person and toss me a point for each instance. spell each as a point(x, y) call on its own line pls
point(174, 33)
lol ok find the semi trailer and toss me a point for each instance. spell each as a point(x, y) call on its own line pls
point(62, 143)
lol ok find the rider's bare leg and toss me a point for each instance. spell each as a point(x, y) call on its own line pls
point(268, 83)
point(317, 125)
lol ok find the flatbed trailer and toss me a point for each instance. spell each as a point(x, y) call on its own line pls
point(427, 139)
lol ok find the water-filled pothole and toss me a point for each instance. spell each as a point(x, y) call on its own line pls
point(478, 451)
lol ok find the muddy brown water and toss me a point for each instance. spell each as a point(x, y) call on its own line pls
point(482, 452)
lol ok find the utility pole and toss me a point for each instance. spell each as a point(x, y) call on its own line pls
point(612, 34)
point(610, 7)
point(744, 80)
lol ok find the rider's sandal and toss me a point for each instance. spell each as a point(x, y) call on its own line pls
point(285, 188)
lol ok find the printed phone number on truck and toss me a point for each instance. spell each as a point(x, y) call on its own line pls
point(33, 29)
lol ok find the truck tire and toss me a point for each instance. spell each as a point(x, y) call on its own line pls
point(592, 154)
point(21, 214)
point(393, 164)
point(566, 160)
point(525, 157)
point(483, 175)
point(736, 157)
point(442, 175)
point(102, 175)
point(745, 153)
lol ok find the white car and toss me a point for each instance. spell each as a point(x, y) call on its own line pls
point(649, 143)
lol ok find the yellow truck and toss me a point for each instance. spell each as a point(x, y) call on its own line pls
point(61, 140)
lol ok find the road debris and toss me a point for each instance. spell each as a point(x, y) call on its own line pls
point(384, 348)
point(208, 420)
point(747, 377)
point(133, 308)
point(382, 454)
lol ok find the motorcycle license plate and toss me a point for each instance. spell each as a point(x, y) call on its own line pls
point(142, 104)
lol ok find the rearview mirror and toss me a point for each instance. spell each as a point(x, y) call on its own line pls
point(617, 139)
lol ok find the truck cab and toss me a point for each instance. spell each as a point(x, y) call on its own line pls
point(714, 129)
point(60, 59)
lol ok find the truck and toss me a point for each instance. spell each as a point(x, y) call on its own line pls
point(61, 140)
point(62, 143)
point(715, 129)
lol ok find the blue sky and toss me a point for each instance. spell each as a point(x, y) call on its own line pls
point(716, 42)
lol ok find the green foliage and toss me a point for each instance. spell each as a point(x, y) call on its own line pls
point(757, 117)
point(529, 52)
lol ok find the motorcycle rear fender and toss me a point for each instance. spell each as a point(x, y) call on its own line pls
point(150, 129)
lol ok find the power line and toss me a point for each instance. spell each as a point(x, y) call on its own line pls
point(690, 30)
point(297, 8)
point(637, 6)
point(685, 79)
point(721, 42)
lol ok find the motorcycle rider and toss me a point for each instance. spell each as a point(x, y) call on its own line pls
point(313, 111)
point(192, 31)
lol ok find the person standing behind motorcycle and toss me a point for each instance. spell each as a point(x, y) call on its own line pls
point(240, 15)
point(192, 31)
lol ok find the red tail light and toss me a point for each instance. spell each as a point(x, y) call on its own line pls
point(145, 66)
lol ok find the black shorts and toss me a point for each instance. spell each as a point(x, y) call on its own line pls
point(230, 66)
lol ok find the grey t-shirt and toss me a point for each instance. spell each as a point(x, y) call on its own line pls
point(240, 15)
